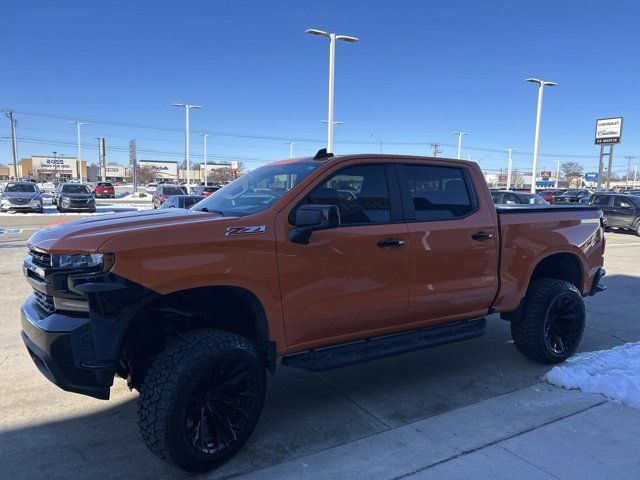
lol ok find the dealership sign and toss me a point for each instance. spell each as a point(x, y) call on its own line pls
point(608, 130)
point(591, 176)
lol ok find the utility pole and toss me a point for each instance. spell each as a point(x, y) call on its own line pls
point(375, 137)
point(459, 134)
point(509, 166)
point(626, 177)
point(12, 122)
point(187, 107)
point(635, 176)
point(79, 160)
point(536, 141)
point(291, 144)
point(206, 177)
point(436, 149)
point(332, 61)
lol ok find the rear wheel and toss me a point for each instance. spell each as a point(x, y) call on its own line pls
point(637, 229)
point(201, 399)
point(552, 322)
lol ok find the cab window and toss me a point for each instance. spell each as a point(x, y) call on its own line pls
point(439, 193)
point(360, 192)
point(602, 201)
point(622, 202)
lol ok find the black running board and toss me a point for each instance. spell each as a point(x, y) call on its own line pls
point(345, 354)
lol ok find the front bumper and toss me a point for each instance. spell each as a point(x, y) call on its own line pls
point(62, 348)
point(20, 208)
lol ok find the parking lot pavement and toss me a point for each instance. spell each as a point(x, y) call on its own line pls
point(430, 413)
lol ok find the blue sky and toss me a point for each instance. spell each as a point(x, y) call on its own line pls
point(421, 70)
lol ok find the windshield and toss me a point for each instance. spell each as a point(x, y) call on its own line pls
point(257, 190)
point(20, 188)
point(172, 190)
point(74, 188)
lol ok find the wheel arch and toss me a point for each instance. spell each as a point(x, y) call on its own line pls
point(166, 317)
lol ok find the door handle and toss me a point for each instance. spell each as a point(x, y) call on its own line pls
point(391, 242)
point(482, 236)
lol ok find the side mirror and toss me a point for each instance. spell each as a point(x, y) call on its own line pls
point(313, 217)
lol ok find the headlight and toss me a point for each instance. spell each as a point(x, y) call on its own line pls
point(63, 260)
point(91, 200)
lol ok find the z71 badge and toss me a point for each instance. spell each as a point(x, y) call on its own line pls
point(257, 229)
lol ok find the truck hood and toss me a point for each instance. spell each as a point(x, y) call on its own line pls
point(86, 235)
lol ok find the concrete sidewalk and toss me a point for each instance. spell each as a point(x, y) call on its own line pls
point(540, 432)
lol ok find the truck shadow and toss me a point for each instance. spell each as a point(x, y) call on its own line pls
point(307, 413)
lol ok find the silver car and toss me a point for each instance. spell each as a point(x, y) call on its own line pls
point(21, 196)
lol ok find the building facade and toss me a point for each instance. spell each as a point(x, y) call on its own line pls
point(165, 170)
point(49, 169)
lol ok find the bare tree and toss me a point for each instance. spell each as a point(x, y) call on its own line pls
point(220, 175)
point(146, 174)
point(572, 172)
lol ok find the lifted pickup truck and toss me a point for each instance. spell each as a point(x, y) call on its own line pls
point(316, 262)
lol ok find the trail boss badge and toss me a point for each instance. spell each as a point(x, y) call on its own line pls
point(257, 229)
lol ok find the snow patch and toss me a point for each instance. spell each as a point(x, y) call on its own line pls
point(613, 373)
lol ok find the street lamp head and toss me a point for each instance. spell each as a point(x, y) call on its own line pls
point(320, 33)
point(194, 106)
point(459, 133)
point(178, 104)
point(533, 80)
point(550, 84)
point(346, 38)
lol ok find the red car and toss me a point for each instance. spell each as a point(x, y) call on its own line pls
point(104, 190)
point(549, 193)
point(164, 191)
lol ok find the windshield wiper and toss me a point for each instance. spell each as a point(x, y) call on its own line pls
point(205, 209)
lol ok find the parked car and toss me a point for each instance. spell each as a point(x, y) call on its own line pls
point(205, 191)
point(572, 195)
point(47, 187)
point(622, 211)
point(104, 190)
point(507, 197)
point(631, 192)
point(193, 307)
point(164, 191)
point(21, 197)
point(549, 193)
point(182, 201)
point(74, 196)
point(151, 188)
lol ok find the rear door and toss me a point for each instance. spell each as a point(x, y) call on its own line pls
point(347, 283)
point(453, 240)
point(623, 211)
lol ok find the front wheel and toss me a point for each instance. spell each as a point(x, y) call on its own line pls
point(552, 322)
point(201, 399)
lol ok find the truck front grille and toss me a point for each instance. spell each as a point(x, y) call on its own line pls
point(45, 302)
point(40, 258)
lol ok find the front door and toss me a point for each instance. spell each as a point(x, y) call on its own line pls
point(346, 283)
point(453, 240)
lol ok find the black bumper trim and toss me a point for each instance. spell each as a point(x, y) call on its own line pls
point(57, 344)
point(597, 286)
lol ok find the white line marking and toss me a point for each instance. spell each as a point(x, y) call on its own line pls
point(621, 244)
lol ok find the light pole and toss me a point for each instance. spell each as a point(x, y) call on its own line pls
point(206, 177)
point(291, 144)
point(332, 60)
point(460, 135)
point(79, 161)
point(509, 166)
point(558, 174)
point(541, 85)
point(375, 137)
point(187, 107)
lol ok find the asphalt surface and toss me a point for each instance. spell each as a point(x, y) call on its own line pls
point(355, 417)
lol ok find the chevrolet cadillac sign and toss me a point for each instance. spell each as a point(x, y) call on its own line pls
point(608, 130)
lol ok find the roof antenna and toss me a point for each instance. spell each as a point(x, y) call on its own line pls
point(322, 153)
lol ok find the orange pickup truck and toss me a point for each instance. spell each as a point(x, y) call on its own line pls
point(314, 263)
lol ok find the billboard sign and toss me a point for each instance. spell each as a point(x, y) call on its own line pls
point(591, 176)
point(608, 130)
point(234, 166)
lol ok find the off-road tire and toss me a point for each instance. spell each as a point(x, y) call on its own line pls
point(172, 382)
point(528, 331)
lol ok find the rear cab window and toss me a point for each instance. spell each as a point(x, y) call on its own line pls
point(438, 192)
